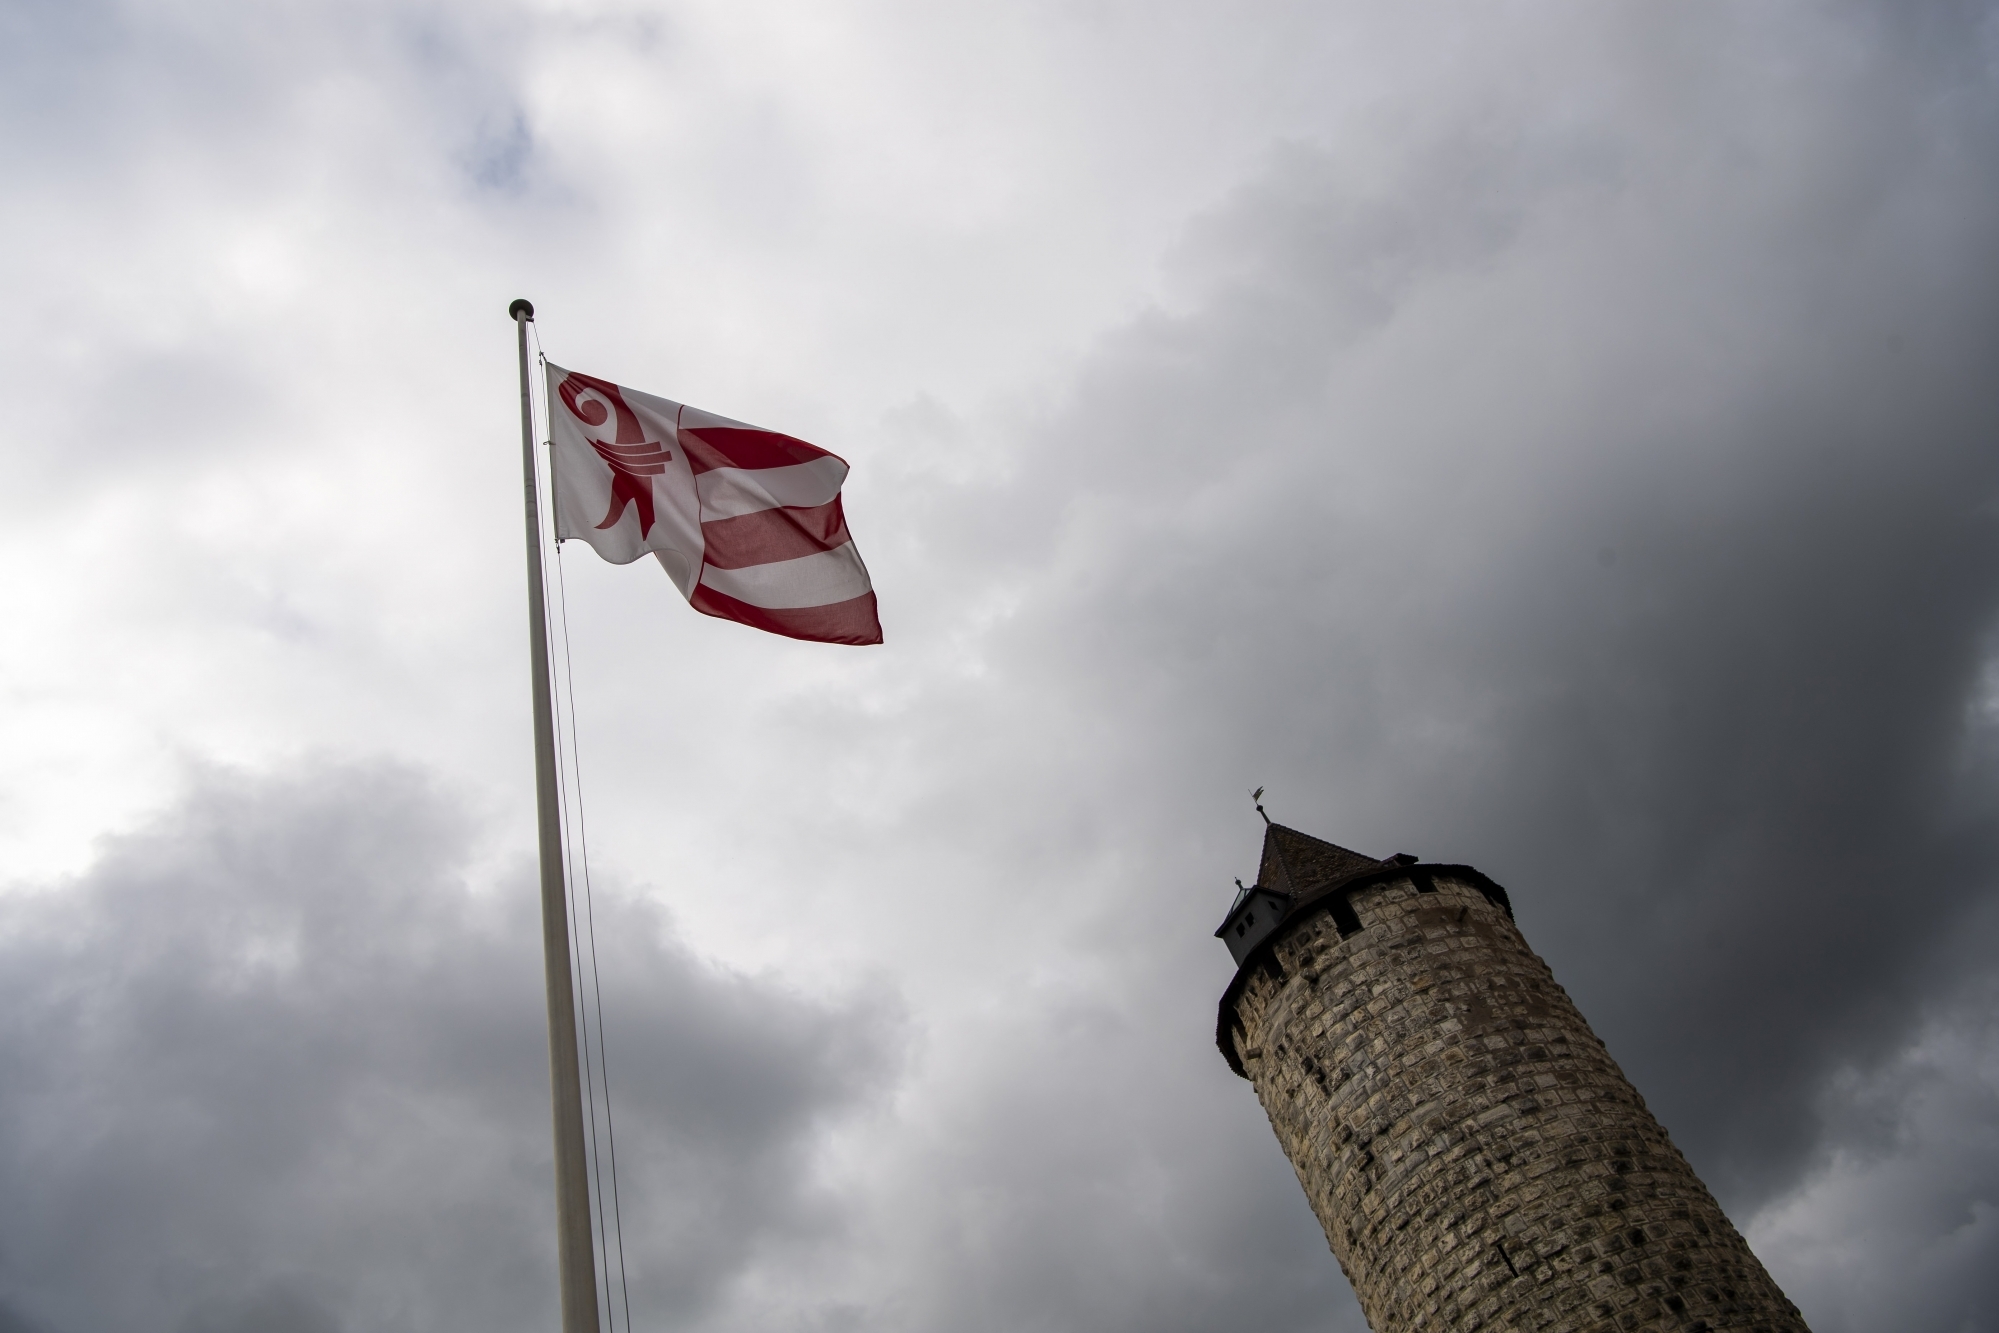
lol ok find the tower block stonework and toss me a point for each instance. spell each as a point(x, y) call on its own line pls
point(1477, 1159)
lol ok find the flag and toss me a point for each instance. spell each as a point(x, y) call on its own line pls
point(746, 522)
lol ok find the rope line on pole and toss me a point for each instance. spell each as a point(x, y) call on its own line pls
point(588, 926)
point(577, 854)
point(580, 1007)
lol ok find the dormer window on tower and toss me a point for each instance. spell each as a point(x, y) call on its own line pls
point(1252, 916)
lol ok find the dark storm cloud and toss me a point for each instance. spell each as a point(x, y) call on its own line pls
point(1603, 494)
point(271, 1065)
point(1898, 1225)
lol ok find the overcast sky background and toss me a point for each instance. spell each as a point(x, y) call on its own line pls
point(1562, 438)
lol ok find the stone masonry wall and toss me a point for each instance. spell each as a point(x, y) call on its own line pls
point(1477, 1159)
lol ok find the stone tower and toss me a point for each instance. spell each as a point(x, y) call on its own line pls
point(1476, 1157)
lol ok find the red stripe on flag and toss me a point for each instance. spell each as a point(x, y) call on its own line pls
point(851, 621)
point(710, 447)
point(774, 534)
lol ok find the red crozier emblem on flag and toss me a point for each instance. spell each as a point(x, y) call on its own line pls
point(634, 460)
point(747, 522)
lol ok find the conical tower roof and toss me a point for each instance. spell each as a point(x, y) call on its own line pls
point(1298, 863)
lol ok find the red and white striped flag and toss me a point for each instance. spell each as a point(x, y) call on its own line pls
point(747, 522)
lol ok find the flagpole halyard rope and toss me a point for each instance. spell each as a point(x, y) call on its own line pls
point(599, 1069)
point(596, 973)
point(581, 1012)
point(582, 1017)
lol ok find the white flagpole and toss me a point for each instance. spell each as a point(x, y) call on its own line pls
point(576, 1255)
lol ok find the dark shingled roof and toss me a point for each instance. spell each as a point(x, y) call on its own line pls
point(1297, 863)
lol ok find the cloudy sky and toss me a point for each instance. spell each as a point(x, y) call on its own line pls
point(1562, 438)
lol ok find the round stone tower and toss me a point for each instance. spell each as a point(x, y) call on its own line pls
point(1476, 1157)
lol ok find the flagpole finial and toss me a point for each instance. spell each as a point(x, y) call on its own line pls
point(1256, 799)
point(522, 308)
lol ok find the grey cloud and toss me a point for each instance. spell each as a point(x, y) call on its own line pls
point(272, 1064)
point(1613, 510)
point(1578, 461)
point(275, 1309)
point(1098, 1175)
point(1594, 488)
point(1896, 1224)
point(205, 165)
